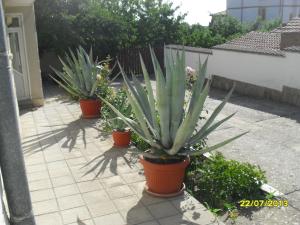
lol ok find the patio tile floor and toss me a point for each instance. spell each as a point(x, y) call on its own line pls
point(76, 176)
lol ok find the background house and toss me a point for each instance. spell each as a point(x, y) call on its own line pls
point(249, 10)
point(22, 39)
point(263, 64)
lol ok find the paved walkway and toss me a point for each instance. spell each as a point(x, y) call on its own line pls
point(273, 143)
point(76, 177)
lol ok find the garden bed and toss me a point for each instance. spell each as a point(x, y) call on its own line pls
point(221, 184)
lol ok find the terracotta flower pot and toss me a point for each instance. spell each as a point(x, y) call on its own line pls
point(121, 138)
point(90, 108)
point(164, 180)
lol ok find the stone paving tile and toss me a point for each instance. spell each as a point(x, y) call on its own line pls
point(112, 219)
point(54, 156)
point(186, 203)
point(84, 222)
point(150, 223)
point(70, 202)
point(102, 208)
point(119, 192)
point(67, 190)
point(88, 186)
point(112, 181)
point(71, 154)
point(45, 207)
point(37, 176)
point(62, 181)
point(42, 195)
point(34, 158)
point(201, 217)
point(163, 209)
point(40, 185)
point(127, 202)
point(95, 196)
point(49, 219)
point(133, 177)
point(136, 215)
point(59, 172)
point(177, 219)
point(36, 168)
point(146, 199)
point(75, 214)
point(76, 161)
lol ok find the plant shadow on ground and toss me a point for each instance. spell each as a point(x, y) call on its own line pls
point(177, 210)
point(113, 159)
point(66, 135)
point(80, 222)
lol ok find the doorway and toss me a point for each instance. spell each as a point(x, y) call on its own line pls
point(19, 60)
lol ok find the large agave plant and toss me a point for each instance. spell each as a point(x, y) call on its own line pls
point(81, 75)
point(166, 121)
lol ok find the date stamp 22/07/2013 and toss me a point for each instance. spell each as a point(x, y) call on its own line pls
point(264, 203)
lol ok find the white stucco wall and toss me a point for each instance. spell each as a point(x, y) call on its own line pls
point(192, 58)
point(292, 70)
point(272, 72)
point(261, 70)
point(268, 71)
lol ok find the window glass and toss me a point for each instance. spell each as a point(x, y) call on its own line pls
point(12, 21)
point(15, 50)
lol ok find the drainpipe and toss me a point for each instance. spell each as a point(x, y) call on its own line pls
point(11, 154)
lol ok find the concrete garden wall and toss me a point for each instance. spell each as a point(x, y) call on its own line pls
point(259, 75)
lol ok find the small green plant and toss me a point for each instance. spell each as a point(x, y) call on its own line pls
point(139, 143)
point(214, 211)
point(270, 196)
point(223, 183)
point(82, 76)
point(111, 120)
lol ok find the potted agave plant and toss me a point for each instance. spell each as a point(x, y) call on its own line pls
point(82, 78)
point(112, 123)
point(169, 122)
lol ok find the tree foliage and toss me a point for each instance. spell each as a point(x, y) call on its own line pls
point(109, 26)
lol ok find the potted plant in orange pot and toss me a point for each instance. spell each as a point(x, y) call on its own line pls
point(112, 123)
point(170, 123)
point(82, 77)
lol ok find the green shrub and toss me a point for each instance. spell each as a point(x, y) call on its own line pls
point(220, 182)
point(111, 121)
point(139, 143)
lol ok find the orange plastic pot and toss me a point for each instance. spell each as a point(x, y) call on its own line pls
point(90, 108)
point(121, 138)
point(164, 179)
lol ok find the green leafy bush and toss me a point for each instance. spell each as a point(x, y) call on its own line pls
point(220, 182)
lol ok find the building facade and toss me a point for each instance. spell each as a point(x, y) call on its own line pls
point(250, 10)
point(262, 64)
point(23, 45)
